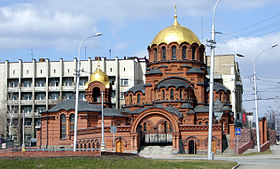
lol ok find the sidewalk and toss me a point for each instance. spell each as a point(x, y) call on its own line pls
point(266, 161)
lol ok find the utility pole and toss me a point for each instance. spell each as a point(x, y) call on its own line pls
point(212, 46)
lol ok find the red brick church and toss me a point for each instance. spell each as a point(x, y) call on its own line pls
point(171, 108)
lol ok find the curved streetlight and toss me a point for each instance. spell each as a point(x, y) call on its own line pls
point(255, 90)
point(212, 46)
point(77, 87)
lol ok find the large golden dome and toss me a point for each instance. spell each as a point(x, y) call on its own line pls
point(175, 33)
point(99, 76)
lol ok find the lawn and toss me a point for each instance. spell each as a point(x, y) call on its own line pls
point(117, 162)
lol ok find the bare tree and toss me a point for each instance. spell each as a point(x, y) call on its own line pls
point(272, 116)
point(12, 116)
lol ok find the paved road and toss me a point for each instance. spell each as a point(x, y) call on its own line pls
point(268, 161)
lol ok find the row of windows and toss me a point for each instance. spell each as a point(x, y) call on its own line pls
point(42, 96)
point(171, 94)
point(41, 71)
point(26, 109)
point(174, 55)
point(42, 82)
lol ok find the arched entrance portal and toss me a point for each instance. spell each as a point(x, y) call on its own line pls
point(155, 129)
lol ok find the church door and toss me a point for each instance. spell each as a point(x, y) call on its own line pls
point(191, 147)
point(214, 146)
point(119, 147)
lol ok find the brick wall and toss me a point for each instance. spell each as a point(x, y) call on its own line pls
point(48, 153)
point(265, 146)
point(272, 137)
point(245, 147)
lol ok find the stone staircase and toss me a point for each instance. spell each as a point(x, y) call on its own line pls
point(155, 150)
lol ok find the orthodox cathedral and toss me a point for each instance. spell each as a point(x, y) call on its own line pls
point(171, 108)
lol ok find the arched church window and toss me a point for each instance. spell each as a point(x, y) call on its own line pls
point(173, 52)
point(155, 54)
point(181, 94)
point(163, 94)
point(193, 53)
point(130, 99)
point(72, 121)
point(201, 54)
point(163, 53)
point(96, 94)
point(172, 94)
point(145, 127)
point(184, 52)
point(62, 126)
point(138, 99)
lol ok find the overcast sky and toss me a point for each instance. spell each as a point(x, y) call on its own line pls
point(54, 28)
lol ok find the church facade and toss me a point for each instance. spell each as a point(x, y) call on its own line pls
point(170, 108)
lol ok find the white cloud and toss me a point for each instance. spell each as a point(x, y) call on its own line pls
point(252, 46)
point(47, 23)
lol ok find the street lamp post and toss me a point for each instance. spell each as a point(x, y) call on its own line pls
point(255, 91)
point(212, 46)
point(77, 88)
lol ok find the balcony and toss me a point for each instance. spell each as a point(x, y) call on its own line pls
point(26, 102)
point(68, 88)
point(53, 101)
point(12, 102)
point(40, 89)
point(26, 89)
point(12, 89)
point(54, 88)
point(40, 101)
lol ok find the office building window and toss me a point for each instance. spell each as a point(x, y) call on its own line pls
point(40, 109)
point(67, 95)
point(83, 81)
point(54, 82)
point(27, 82)
point(124, 82)
point(54, 96)
point(40, 96)
point(122, 95)
point(26, 96)
point(26, 109)
point(40, 82)
point(13, 83)
point(68, 81)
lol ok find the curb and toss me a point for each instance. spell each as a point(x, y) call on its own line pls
point(237, 165)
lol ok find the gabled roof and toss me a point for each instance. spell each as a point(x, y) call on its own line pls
point(70, 105)
point(168, 109)
point(217, 87)
point(173, 82)
point(195, 70)
point(154, 71)
point(138, 88)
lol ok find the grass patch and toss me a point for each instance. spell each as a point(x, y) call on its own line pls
point(256, 153)
point(116, 162)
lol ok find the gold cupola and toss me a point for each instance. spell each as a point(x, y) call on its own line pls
point(99, 76)
point(175, 33)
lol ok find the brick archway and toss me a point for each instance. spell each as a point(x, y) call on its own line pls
point(157, 111)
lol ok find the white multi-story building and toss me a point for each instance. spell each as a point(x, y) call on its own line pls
point(226, 72)
point(32, 87)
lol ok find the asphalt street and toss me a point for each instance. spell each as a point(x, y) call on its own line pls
point(267, 161)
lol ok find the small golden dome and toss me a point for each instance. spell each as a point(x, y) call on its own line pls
point(99, 76)
point(175, 33)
